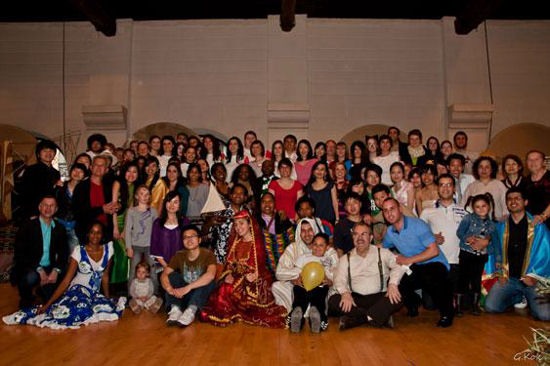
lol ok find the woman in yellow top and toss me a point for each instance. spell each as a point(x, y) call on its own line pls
point(156, 186)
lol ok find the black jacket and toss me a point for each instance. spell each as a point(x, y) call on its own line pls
point(84, 214)
point(29, 248)
point(38, 180)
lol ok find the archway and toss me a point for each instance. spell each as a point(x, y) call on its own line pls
point(161, 129)
point(367, 130)
point(519, 139)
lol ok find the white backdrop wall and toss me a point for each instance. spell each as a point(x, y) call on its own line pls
point(229, 75)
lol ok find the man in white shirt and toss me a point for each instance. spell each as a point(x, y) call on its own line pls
point(443, 220)
point(288, 272)
point(462, 180)
point(361, 280)
point(461, 145)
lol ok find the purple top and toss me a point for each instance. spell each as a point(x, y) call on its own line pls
point(166, 242)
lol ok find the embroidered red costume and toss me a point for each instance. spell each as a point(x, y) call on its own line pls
point(243, 300)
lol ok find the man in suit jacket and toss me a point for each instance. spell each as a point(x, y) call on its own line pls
point(41, 254)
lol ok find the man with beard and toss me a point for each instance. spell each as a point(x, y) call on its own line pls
point(429, 268)
point(461, 145)
point(288, 274)
point(521, 260)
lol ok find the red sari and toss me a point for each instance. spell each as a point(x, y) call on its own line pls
point(249, 302)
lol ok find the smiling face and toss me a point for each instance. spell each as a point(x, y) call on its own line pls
point(131, 174)
point(190, 154)
point(446, 149)
point(396, 174)
point(515, 202)
point(320, 172)
point(219, 173)
point(155, 144)
point(172, 173)
point(47, 208)
point(481, 208)
point(194, 174)
point(95, 234)
point(77, 175)
point(340, 171)
point(372, 178)
point(319, 246)
point(173, 206)
point(445, 188)
point(242, 227)
point(352, 207)
point(278, 151)
point(303, 150)
point(511, 167)
point(320, 151)
point(191, 239)
point(143, 196)
point(267, 205)
point(306, 233)
point(167, 147)
point(414, 140)
point(142, 273)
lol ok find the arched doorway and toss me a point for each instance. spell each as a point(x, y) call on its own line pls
point(359, 133)
point(519, 139)
point(161, 129)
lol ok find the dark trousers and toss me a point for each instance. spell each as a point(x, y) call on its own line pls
point(377, 306)
point(433, 278)
point(28, 281)
point(427, 301)
point(197, 297)
point(316, 297)
point(471, 269)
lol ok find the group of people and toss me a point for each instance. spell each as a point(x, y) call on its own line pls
point(390, 223)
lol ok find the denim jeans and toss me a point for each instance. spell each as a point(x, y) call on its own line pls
point(197, 297)
point(501, 297)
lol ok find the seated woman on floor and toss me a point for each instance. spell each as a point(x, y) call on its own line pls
point(82, 303)
point(245, 290)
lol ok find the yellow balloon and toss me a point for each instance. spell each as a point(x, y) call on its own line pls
point(312, 275)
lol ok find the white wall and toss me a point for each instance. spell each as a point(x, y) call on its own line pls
point(225, 75)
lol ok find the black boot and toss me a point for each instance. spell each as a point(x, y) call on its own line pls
point(458, 304)
point(476, 310)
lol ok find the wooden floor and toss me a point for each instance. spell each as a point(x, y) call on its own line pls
point(145, 340)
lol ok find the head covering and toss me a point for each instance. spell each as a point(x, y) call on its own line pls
point(243, 214)
point(298, 236)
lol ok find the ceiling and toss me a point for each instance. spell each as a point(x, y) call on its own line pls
point(103, 13)
point(71, 10)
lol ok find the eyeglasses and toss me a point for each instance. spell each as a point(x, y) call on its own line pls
point(364, 234)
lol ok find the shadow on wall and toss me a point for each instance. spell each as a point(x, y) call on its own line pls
point(368, 130)
point(519, 139)
point(161, 129)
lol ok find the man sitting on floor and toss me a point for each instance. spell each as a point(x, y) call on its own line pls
point(41, 254)
point(522, 261)
point(361, 279)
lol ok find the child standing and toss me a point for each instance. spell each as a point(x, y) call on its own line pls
point(138, 227)
point(316, 298)
point(142, 289)
point(477, 233)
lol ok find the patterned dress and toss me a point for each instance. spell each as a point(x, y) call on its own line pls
point(82, 304)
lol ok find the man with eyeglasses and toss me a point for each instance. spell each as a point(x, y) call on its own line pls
point(419, 250)
point(41, 254)
point(367, 280)
point(444, 220)
point(188, 279)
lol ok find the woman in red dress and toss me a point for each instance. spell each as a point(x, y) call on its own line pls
point(244, 293)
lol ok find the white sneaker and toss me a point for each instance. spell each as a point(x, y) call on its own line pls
point(173, 316)
point(188, 316)
point(522, 304)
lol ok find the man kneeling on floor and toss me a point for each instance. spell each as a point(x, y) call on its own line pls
point(188, 279)
point(361, 279)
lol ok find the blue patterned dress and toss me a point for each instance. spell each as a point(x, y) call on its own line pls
point(82, 304)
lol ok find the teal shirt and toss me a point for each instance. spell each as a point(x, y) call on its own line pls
point(46, 239)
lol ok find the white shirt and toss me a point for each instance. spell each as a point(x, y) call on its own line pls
point(365, 277)
point(328, 261)
point(461, 184)
point(496, 188)
point(84, 278)
point(385, 163)
point(445, 220)
point(163, 162)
